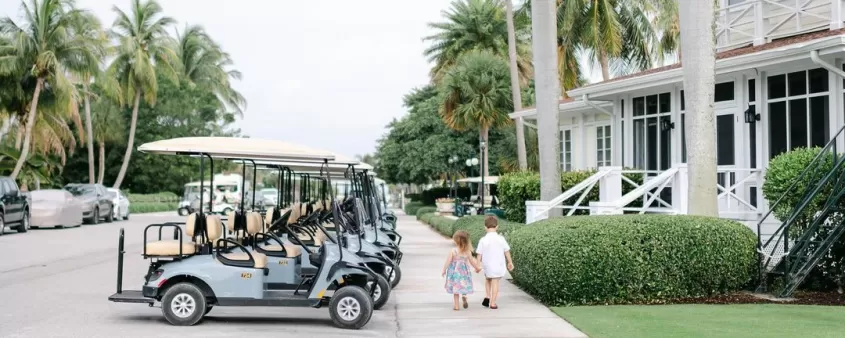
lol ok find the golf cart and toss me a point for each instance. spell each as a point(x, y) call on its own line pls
point(190, 275)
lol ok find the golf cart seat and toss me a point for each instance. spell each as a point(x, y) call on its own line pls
point(268, 216)
point(260, 259)
point(165, 248)
point(291, 250)
point(254, 225)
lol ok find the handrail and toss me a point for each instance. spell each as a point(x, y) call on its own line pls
point(644, 188)
point(590, 181)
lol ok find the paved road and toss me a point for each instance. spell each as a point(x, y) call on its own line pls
point(55, 283)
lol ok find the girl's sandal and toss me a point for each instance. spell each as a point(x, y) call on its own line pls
point(494, 307)
point(466, 305)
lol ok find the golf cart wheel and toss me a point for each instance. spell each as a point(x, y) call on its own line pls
point(181, 212)
point(351, 307)
point(382, 292)
point(183, 304)
point(24, 227)
point(208, 308)
point(394, 275)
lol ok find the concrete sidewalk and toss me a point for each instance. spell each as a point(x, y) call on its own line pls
point(424, 309)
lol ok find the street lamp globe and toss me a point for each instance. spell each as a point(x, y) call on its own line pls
point(469, 163)
point(474, 161)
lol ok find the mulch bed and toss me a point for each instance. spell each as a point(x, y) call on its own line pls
point(799, 298)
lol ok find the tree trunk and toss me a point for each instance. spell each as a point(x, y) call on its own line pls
point(89, 130)
point(515, 89)
point(697, 43)
point(19, 138)
point(130, 145)
point(605, 66)
point(547, 86)
point(30, 122)
point(102, 162)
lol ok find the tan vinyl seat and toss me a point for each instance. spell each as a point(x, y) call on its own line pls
point(291, 250)
point(260, 258)
point(268, 217)
point(254, 224)
point(214, 228)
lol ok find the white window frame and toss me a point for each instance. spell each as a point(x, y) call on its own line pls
point(807, 96)
point(604, 133)
point(565, 137)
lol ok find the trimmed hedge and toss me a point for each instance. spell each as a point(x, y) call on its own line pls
point(516, 188)
point(474, 226)
point(425, 210)
point(412, 207)
point(145, 207)
point(441, 224)
point(631, 258)
point(162, 197)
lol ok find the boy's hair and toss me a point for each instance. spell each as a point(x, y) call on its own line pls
point(491, 222)
point(461, 239)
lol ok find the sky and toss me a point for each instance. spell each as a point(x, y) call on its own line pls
point(329, 74)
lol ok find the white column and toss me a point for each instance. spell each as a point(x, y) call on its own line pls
point(532, 208)
point(836, 14)
point(616, 135)
point(680, 192)
point(762, 137)
point(759, 24)
point(610, 191)
point(582, 157)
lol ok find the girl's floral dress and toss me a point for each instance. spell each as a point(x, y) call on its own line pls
point(458, 275)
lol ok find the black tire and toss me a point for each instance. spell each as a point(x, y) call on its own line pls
point(110, 216)
point(126, 218)
point(397, 272)
point(95, 219)
point(351, 307)
point(181, 303)
point(2, 225)
point(382, 294)
point(208, 308)
point(24, 227)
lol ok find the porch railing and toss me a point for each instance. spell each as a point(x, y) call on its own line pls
point(761, 21)
point(739, 192)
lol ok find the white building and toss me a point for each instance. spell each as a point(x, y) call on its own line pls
point(779, 63)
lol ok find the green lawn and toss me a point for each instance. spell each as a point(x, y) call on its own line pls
point(747, 320)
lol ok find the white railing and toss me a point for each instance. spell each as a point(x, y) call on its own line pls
point(539, 210)
point(735, 194)
point(760, 21)
point(648, 193)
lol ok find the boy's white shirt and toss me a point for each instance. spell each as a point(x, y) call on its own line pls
point(492, 249)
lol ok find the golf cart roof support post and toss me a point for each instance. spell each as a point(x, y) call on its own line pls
point(339, 217)
point(202, 180)
point(254, 183)
point(279, 192)
point(243, 185)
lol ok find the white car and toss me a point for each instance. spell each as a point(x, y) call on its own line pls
point(120, 202)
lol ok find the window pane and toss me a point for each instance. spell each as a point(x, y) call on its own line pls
point(665, 107)
point(607, 131)
point(599, 157)
point(777, 86)
point(683, 138)
point(724, 91)
point(797, 123)
point(651, 104)
point(818, 80)
point(599, 131)
point(600, 143)
point(683, 101)
point(752, 142)
point(752, 92)
point(797, 83)
point(725, 140)
point(819, 121)
point(639, 144)
point(639, 106)
point(777, 128)
point(665, 146)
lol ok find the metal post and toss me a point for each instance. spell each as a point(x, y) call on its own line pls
point(120, 253)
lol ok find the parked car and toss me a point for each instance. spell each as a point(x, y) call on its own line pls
point(120, 202)
point(270, 196)
point(14, 207)
point(55, 208)
point(96, 203)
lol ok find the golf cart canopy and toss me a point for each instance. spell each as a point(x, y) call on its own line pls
point(487, 180)
point(339, 165)
point(236, 148)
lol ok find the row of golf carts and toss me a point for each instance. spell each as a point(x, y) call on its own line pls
point(309, 250)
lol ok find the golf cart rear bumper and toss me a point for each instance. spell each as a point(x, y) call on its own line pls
point(131, 296)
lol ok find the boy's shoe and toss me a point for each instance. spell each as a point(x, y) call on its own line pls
point(485, 302)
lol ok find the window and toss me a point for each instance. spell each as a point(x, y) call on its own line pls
point(566, 150)
point(798, 110)
point(603, 144)
point(724, 92)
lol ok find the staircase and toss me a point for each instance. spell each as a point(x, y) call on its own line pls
point(793, 251)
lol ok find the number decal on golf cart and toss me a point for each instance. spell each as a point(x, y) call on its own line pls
point(246, 275)
point(283, 262)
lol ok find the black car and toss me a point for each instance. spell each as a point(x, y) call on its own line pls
point(96, 202)
point(14, 206)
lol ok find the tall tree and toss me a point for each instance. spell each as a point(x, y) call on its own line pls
point(668, 25)
point(475, 25)
point(204, 64)
point(516, 91)
point(699, 48)
point(109, 127)
point(143, 46)
point(48, 46)
point(476, 95)
point(544, 28)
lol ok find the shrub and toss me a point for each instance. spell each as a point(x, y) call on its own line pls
point(785, 169)
point(162, 197)
point(516, 188)
point(145, 207)
point(443, 225)
point(428, 197)
point(474, 226)
point(631, 258)
point(412, 207)
point(426, 217)
point(425, 210)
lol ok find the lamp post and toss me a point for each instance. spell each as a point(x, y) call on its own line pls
point(452, 161)
point(471, 163)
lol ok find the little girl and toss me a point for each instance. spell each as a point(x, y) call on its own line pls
point(456, 270)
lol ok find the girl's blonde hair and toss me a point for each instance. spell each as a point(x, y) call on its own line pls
point(461, 239)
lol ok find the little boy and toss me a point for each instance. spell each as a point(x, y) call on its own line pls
point(493, 251)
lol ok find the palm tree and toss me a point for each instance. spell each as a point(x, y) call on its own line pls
point(143, 45)
point(108, 128)
point(699, 47)
point(668, 24)
point(47, 46)
point(476, 94)
point(516, 91)
point(476, 25)
point(205, 64)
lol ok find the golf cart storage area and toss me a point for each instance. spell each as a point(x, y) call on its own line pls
point(285, 257)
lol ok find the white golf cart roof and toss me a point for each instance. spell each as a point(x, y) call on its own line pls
point(487, 180)
point(236, 148)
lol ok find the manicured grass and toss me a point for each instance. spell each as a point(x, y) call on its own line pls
point(746, 320)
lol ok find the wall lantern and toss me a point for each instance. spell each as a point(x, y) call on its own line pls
point(665, 125)
point(751, 114)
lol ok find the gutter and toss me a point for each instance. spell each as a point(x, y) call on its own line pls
point(814, 55)
point(586, 99)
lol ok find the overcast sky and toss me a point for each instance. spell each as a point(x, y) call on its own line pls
point(326, 73)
